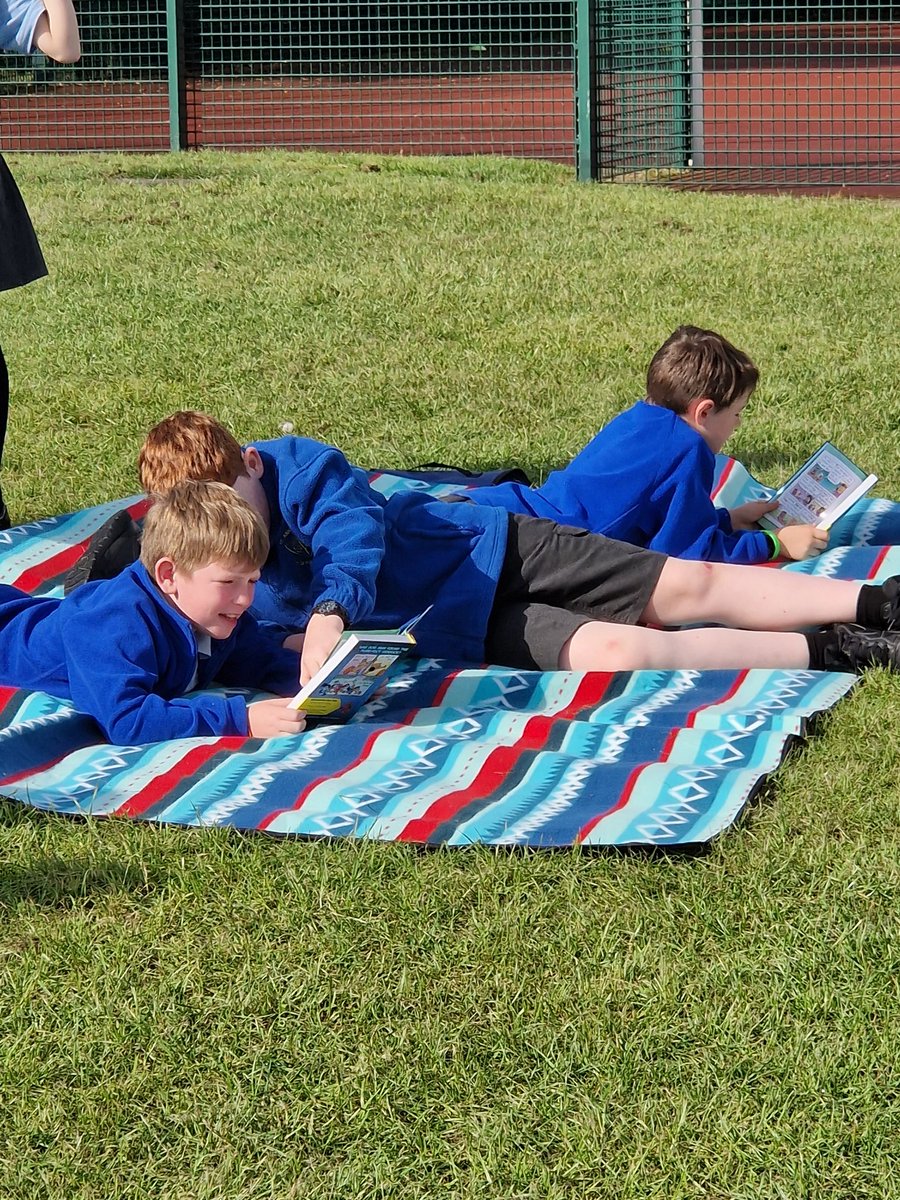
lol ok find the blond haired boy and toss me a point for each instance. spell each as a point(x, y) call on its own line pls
point(128, 650)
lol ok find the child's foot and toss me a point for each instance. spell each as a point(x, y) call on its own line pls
point(115, 546)
point(878, 606)
point(855, 649)
point(890, 608)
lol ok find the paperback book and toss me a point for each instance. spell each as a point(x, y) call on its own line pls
point(825, 487)
point(355, 669)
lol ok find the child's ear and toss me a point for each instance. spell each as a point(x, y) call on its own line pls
point(253, 461)
point(699, 411)
point(164, 574)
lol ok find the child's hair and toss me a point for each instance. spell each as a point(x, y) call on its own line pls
point(188, 445)
point(695, 363)
point(195, 524)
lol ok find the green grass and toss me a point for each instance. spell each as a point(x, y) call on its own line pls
point(188, 1014)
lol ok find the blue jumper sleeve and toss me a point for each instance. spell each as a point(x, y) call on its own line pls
point(694, 528)
point(113, 678)
point(344, 523)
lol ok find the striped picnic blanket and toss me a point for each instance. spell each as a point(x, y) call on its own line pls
point(448, 755)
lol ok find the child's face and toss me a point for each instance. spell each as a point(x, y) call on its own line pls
point(717, 425)
point(213, 598)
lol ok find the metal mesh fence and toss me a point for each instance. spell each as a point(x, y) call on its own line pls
point(411, 78)
point(746, 97)
point(687, 92)
point(802, 96)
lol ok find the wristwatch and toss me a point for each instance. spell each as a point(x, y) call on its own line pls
point(331, 608)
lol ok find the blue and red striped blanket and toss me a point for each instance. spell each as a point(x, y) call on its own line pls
point(447, 755)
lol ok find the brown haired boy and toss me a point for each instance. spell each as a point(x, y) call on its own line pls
point(646, 477)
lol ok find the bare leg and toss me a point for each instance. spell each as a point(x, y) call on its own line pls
point(748, 597)
point(602, 646)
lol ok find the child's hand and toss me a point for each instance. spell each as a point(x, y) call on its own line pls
point(746, 516)
point(294, 641)
point(273, 718)
point(802, 541)
point(323, 633)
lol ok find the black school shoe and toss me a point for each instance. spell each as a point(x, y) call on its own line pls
point(115, 546)
point(857, 648)
point(890, 607)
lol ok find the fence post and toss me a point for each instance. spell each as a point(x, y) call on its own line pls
point(175, 67)
point(695, 90)
point(586, 116)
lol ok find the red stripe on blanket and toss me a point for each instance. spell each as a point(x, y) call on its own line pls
point(623, 799)
point(732, 691)
point(192, 762)
point(879, 559)
point(499, 762)
point(36, 770)
point(441, 692)
point(722, 480)
point(57, 565)
point(301, 798)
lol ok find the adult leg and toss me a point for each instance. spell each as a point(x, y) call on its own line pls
point(748, 597)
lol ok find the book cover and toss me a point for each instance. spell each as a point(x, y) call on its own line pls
point(825, 487)
point(355, 669)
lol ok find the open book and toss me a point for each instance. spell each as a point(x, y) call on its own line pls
point(352, 672)
point(825, 487)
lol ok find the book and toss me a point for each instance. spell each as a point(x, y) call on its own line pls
point(355, 668)
point(825, 487)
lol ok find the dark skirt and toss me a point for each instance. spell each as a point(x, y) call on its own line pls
point(21, 260)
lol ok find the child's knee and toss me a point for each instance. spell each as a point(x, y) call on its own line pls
point(687, 583)
point(599, 646)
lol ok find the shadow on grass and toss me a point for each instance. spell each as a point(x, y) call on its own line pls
point(52, 882)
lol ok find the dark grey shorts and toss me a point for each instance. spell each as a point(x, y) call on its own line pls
point(555, 579)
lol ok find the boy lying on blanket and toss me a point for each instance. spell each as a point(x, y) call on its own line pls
point(506, 588)
point(126, 650)
point(646, 477)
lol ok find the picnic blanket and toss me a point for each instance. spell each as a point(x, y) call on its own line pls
point(448, 754)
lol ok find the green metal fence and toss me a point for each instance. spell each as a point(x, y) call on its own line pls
point(686, 92)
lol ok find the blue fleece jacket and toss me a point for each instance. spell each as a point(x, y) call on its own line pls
point(383, 560)
point(645, 478)
point(122, 654)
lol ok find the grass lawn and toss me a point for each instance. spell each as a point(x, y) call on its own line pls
point(195, 1015)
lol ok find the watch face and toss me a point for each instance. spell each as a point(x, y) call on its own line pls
point(329, 608)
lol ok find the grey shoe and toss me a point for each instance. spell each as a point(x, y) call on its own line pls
point(857, 648)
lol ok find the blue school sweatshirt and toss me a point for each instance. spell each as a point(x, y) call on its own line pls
point(645, 478)
point(122, 654)
point(384, 560)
